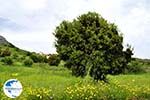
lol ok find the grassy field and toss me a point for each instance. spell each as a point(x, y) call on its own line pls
point(62, 85)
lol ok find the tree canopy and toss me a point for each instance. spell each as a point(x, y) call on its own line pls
point(90, 45)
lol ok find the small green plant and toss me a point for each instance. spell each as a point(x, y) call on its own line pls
point(7, 61)
point(53, 60)
point(134, 67)
point(5, 52)
point(37, 58)
point(22, 57)
point(15, 56)
point(28, 62)
point(28, 53)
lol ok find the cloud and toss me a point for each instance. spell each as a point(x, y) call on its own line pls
point(33, 4)
point(7, 24)
point(135, 26)
point(37, 20)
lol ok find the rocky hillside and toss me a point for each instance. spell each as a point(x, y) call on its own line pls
point(3, 40)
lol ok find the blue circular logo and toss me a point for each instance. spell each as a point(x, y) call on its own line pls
point(12, 88)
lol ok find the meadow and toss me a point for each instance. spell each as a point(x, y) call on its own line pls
point(44, 82)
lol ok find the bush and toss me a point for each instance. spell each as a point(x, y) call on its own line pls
point(7, 61)
point(38, 58)
point(5, 52)
point(134, 67)
point(28, 53)
point(34, 58)
point(53, 60)
point(28, 62)
point(17, 49)
point(45, 60)
point(15, 56)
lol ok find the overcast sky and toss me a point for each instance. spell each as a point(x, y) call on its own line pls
point(29, 24)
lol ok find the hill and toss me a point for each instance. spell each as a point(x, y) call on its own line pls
point(3, 40)
point(9, 52)
point(6, 44)
point(12, 55)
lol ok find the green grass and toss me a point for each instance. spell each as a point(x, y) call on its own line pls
point(59, 78)
point(37, 76)
point(137, 79)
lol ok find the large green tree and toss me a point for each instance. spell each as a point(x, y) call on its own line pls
point(90, 45)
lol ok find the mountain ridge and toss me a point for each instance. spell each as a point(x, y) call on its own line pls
point(3, 40)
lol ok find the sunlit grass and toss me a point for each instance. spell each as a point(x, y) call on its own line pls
point(63, 85)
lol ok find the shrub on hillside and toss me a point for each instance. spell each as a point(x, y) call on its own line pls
point(45, 60)
point(17, 49)
point(15, 56)
point(134, 67)
point(21, 58)
point(54, 60)
point(7, 61)
point(5, 52)
point(28, 62)
point(28, 53)
point(36, 58)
